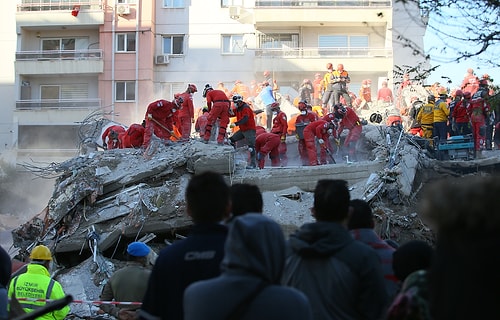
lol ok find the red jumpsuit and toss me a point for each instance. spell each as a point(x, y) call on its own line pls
point(186, 115)
point(161, 124)
point(133, 137)
point(267, 143)
point(317, 129)
point(201, 124)
point(351, 122)
point(259, 130)
point(280, 127)
point(218, 107)
point(110, 137)
point(478, 109)
point(305, 120)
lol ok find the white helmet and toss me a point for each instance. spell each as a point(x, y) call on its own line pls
point(237, 98)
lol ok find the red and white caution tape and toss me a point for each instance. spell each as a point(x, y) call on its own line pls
point(84, 301)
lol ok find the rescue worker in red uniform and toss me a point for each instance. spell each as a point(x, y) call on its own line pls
point(268, 143)
point(133, 137)
point(459, 116)
point(159, 119)
point(245, 120)
point(478, 111)
point(280, 127)
point(218, 108)
point(321, 130)
point(186, 113)
point(201, 122)
point(350, 121)
point(110, 137)
point(302, 120)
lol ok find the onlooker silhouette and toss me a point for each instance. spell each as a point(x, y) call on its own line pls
point(361, 224)
point(464, 278)
point(249, 286)
point(194, 258)
point(341, 277)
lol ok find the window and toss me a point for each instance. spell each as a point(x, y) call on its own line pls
point(233, 44)
point(127, 1)
point(168, 89)
point(125, 42)
point(58, 44)
point(173, 44)
point(278, 41)
point(50, 92)
point(343, 45)
point(125, 91)
point(228, 3)
point(173, 3)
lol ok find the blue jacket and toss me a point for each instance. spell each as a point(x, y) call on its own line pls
point(254, 259)
point(194, 258)
point(341, 277)
point(267, 95)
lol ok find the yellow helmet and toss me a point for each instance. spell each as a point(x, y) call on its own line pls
point(41, 252)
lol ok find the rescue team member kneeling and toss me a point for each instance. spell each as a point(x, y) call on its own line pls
point(36, 284)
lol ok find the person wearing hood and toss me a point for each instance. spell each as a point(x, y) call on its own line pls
point(249, 285)
point(342, 277)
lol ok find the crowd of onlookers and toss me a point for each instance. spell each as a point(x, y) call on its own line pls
point(236, 263)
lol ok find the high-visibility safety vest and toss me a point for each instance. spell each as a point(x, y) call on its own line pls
point(37, 284)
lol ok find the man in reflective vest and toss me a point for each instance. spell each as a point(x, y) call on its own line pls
point(36, 286)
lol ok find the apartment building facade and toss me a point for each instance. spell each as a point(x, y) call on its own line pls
point(81, 58)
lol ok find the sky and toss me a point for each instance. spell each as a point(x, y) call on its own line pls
point(455, 71)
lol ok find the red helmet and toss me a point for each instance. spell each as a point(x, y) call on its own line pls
point(192, 87)
point(459, 93)
point(467, 95)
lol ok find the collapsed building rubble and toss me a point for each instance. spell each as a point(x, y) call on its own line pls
point(104, 199)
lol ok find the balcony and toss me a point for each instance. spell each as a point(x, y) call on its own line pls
point(59, 13)
point(59, 62)
point(58, 104)
point(272, 13)
point(308, 59)
point(54, 111)
point(316, 3)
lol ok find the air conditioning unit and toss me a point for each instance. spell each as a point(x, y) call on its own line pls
point(123, 9)
point(234, 12)
point(163, 59)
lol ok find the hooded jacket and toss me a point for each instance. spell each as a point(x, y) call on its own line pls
point(341, 277)
point(254, 259)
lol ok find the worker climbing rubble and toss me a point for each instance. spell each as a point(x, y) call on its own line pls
point(159, 119)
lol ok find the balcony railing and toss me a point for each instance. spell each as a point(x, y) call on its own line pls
point(59, 104)
point(317, 3)
point(315, 53)
point(57, 5)
point(90, 54)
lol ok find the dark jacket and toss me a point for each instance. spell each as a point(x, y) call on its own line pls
point(125, 285)
point(341, 277)
point(5, 270)
point(254, 256)
point(195, 258)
